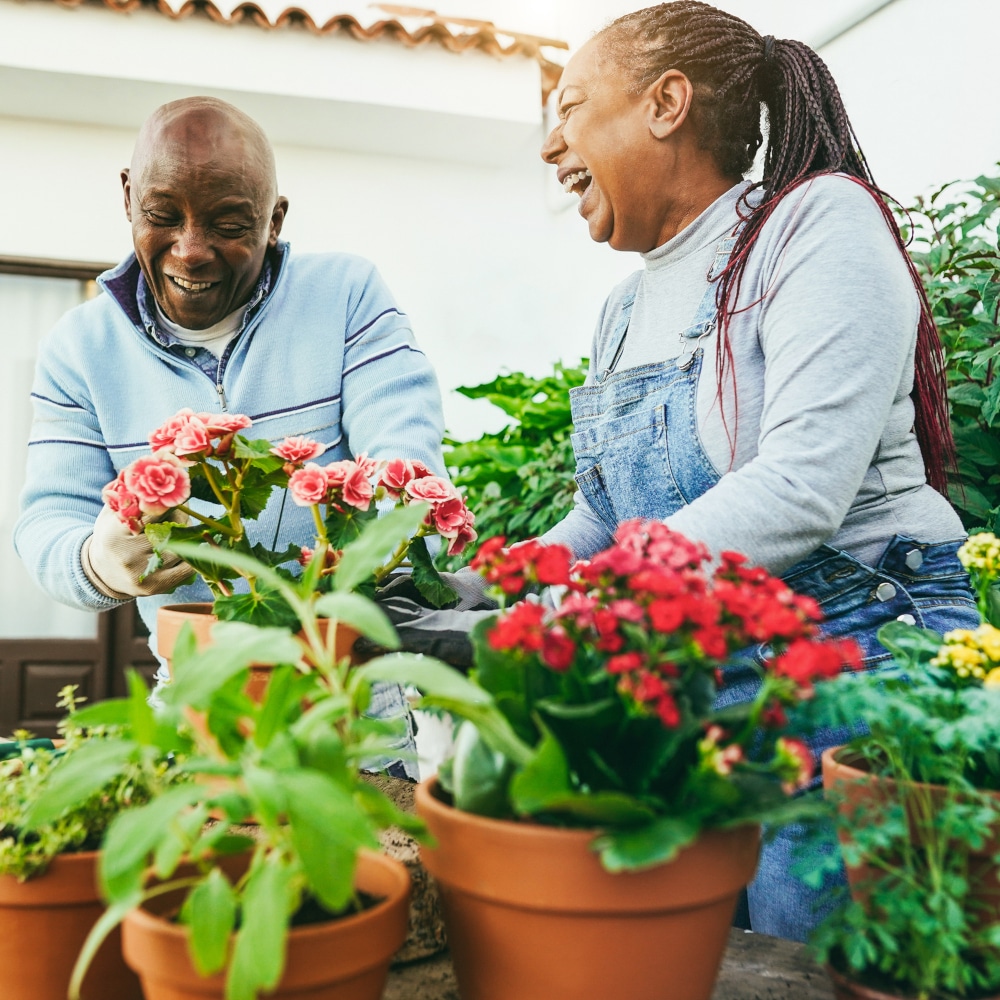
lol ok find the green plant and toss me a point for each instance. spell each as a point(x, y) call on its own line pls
point(954, 246)
point(932, 737)
point(520, 478)
point(33, 834)
point(291, 763)
point(612, 694)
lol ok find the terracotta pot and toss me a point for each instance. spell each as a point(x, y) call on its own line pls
point(850, 989)
point(860, 791)
point(171, 618)
point(531, 914)
point(43, 924)
point(345, 959)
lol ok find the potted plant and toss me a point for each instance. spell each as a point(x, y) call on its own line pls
point(302, 901)
point(604, 854)
point(49, 898)
point(917, 797)
point(201, 462)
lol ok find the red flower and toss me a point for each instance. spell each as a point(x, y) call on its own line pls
point(519, 629)
point(558, 649)
point(623, 663)
point(665, 616)
point(805, 661)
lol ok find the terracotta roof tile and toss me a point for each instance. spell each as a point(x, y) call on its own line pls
point(412, 26)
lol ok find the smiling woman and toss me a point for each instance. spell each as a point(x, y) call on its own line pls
point(770, 382)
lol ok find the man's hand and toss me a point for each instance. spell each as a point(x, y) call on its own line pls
point(114, 559)
point(467, 584)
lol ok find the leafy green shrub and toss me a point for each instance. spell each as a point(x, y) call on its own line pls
point(519, 480)
point(954, 246)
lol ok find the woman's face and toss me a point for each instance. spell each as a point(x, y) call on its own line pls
point(601, 148)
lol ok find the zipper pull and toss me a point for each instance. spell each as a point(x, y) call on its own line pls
point(222, 397)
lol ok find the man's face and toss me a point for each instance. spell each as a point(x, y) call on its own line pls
point(203, 214)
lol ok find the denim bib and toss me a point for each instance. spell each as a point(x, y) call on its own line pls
point(636, 442)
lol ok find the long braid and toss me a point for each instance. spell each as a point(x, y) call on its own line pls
point(735, 71)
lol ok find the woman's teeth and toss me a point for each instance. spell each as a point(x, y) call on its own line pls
point(571, 180)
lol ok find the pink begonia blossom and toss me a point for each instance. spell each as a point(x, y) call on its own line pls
point(158, 481)
point(431, 489)
point(397, 473)
point(358, 490)
point(449, 516)
point(124, 503)
point(191, 439)
point(466, 535)
point(165, 435)
point(369, 465)
point(224, 423)
point(308, 485)
point(298, 449)
point(337, 472)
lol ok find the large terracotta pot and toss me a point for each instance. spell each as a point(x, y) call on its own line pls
point(345, 959)
point(171, 618)
point(531, 914)
point(859, 792)
point(43, 924)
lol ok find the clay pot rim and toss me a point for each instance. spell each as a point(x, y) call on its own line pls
point(150, 921)
point(426, 796)
point(842, 978)
point(37, 891)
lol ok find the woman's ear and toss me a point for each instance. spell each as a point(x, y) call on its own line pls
point(669, 101)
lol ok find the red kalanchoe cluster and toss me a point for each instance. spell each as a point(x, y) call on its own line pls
point(653, 615)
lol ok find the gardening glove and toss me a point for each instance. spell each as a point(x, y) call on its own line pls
point(113, 559)
point(467, 583)
point(442, 633)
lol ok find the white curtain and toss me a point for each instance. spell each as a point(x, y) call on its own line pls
point(29, 307)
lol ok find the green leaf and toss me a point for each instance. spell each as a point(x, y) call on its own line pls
point(79, 776)
point(545, 778)
point(433, 678)
point(908, 643)
point(265, 608)
point(210, 913)
point(134, 835)
point(360, 613)
point(426, 577)
point(107, 922)
point(653, 844)
point(479, 775)
point(141, 720)
point(259, 952)
point(380, 539)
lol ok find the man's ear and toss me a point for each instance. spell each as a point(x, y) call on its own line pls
point(278, 214)
point(669, 101)
point(127, 193)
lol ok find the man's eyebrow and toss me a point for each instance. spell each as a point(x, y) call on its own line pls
point(563, 92)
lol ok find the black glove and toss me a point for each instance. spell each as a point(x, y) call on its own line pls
point(442, 633)
point(467, 583)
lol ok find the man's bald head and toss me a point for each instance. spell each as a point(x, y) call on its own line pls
point(202, 196)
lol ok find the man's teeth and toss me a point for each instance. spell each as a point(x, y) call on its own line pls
point(192, 286)
point(572, 180)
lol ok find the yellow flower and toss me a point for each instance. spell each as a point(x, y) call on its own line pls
point(981, 552)
point(992, 679)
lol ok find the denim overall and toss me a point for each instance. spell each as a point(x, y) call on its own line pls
point(639, 455)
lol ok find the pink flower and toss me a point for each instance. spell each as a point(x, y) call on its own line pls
point(191, 439)
point(449, 516)
point(466, 535)
point(337, 473)
point(124, 503)
point(158, 481)
point(358, 490)
point(431, 489)
point(396, 474)
point(165, 435)
point(298, 449)
point(220, 424)
point(308, 485)
point(369, 465)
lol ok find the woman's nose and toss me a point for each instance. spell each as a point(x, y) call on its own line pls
point(553, 146)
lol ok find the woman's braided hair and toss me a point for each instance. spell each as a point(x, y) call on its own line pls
point(736, 74)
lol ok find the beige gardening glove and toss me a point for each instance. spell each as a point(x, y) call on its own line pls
point(114, 559)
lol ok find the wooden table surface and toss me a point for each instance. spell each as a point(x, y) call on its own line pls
point(756, 967)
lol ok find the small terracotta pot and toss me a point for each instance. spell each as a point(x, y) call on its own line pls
point(857, 788)
point(43, 924)
point(531, 914)
point(345, 959)
point(849, 989)
point(171, 618)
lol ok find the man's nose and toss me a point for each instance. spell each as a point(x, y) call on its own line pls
point(192, 245)
point(553, 146)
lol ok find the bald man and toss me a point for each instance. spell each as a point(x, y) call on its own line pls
point(214, 312)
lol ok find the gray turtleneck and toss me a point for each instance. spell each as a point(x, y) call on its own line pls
point(817, 444)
